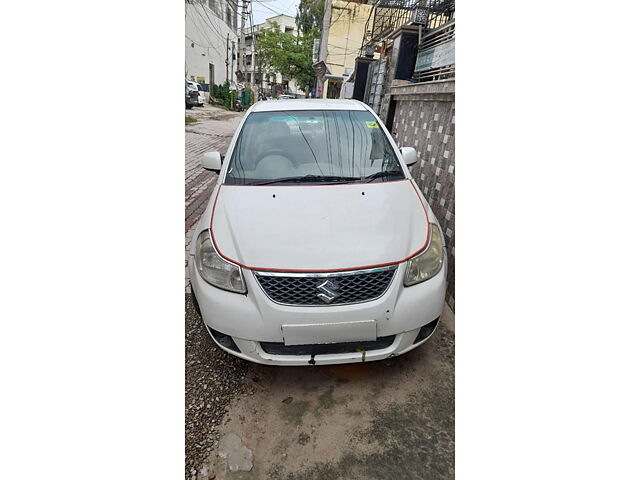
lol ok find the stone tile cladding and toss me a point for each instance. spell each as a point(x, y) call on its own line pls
point(425, 119)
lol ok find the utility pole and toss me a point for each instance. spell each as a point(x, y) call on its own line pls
point(254, 49)
point(259, 65)
point(243, 66)
point(324, 45)
point(227, 61)
point(241, 47)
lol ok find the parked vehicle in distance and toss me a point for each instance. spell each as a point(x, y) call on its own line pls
point(191, 95)
point(286, 97)
point(201, 97)
point(316, 247)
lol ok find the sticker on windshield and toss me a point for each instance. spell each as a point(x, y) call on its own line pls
point(373, 124)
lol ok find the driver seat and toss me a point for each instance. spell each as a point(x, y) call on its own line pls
point(276, 137)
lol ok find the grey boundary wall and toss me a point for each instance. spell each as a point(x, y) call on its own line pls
point(425, 119)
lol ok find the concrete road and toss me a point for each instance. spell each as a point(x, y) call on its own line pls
point(392, 419)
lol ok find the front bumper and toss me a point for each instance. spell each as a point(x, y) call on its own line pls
point(192, 99)
point(250, 325)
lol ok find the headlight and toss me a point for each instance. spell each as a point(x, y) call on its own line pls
point(215, 269)
point(427, 264)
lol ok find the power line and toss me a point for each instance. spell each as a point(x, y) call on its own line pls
point(340, 12)
point(343, 49)
point(198, 43)
point(269, 8)
point(292, 4)
point(205, 35)
point(201, 32)
point(266, 12)
point(198, 23)
point(210, 23)
point(232, 3)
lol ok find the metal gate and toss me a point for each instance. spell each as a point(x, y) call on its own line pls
point(375, 84)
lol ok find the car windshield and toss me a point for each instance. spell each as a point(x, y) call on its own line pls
point(312, 146)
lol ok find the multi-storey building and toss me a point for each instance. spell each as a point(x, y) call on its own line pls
point(211, 41)
point(343, 27)
point(265, 78)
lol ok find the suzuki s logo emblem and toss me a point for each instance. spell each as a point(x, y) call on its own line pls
point(328, 290)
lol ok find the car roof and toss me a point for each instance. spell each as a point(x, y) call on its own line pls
point(307, 104)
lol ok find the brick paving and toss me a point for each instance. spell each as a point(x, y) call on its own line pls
point(212, 132)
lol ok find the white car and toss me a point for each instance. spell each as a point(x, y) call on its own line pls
point(201, 93)
point(316, 246)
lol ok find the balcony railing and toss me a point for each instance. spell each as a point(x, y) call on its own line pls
point(436, 54)
point(388, 15)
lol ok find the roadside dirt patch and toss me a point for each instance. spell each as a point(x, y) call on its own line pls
point(212, 379)
point(209, 112)
point(372, 421)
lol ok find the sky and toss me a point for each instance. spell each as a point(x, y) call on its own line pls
point(263, 9)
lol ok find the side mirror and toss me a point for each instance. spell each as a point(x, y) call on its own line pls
point(409, 155)
point(212, 161)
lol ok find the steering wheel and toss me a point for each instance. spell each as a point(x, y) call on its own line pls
point(274, 151)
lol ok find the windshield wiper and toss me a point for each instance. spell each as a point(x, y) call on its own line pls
point(392, 173)
point(310, 178)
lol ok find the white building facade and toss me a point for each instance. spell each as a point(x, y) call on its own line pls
point(266, 79)
point(211, 41)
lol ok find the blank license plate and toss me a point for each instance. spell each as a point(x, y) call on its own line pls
point(318, 333)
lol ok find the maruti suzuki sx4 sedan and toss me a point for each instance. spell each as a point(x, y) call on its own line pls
point(316, 246)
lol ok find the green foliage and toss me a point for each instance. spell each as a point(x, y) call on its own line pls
point(309, 17)
point(188, 119)
point(287, 54)
point(225, 97)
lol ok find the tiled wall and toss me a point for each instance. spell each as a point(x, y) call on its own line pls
point(425, 119)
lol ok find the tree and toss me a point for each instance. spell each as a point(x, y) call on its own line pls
point(286, 54)
point(309, 17)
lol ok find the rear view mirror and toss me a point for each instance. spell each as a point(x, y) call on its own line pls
point(409, 155)
point(212, 161)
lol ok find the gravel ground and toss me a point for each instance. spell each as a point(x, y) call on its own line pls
point(212, 379)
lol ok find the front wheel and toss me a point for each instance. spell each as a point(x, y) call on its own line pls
point(189, 107)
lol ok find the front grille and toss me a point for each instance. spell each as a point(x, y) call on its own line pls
point(273, 348)
point(326, 289)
